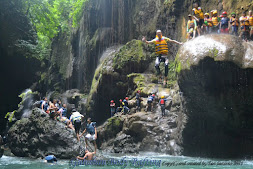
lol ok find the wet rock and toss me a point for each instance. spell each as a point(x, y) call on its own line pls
point(39, 135)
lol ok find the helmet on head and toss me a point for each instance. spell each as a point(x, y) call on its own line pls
point(162, 97)
point(189, 15)
point(215, 12)
point(112, 101)
point(207, 14)
point(224, 13)
point(233, 13)
point(120, 100)
point(138, 91)
point(158, 31)
point(221, 16)
point(126, 98)
point(153, 95)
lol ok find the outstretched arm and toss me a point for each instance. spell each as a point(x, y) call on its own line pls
point(174, 41)
point(83, 132)
point(144, 40)
point(95, 133)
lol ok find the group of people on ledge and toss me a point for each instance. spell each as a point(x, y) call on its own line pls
point(58, 111)
point(205, 23)
point(151, 102)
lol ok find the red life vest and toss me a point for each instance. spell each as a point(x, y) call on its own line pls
point(162, 101)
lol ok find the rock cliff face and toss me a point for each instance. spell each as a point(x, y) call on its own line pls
point(38, 136)
point(216, 80)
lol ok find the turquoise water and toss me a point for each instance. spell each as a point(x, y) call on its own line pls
point(114, 161)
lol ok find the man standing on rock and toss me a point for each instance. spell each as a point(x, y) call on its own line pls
point(92, 133)
point(161, 50)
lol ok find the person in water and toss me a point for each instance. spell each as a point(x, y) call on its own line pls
point(76, 119)
point(88, 155)
point(51, 159)
point(91, 133)
point(161, 50)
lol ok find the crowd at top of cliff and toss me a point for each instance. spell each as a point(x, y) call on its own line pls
point(204, 23)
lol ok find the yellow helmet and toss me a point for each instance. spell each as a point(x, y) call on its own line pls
point(162, 97)
point(215, 12)
point(207, 14)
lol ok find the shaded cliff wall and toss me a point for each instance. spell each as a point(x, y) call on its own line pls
point(17, 72)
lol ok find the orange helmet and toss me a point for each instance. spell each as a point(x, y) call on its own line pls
point(112, 101)
point(126, 98)
point(120, 100)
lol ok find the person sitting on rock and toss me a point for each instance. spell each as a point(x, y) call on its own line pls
point(112, 108)
point(234, 23)
point(162, 104)
point(76, 119)
point(224, 23)
point(138, 100)
point(150, 102)
point(125, 105)
point(63, 116)
point(53, 109)
point(58, 104)
point(244, 26)
point(44, 105)
point(191, 28)
point(88, 155)
point(91, 133)
point(120, 108)
point(161, 50)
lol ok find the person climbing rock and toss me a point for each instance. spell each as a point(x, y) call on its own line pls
point(161, 49)
point(88, 155)
point(112, 108)
point(207, 26)
point(234, 23)
point(199, 16)
point(244, 26)
point(91, 133)
point(138, 100)
point(162, 104)
point(125, 106)
point(191, 27)
point(76, 119)
point(63, 117)
point(250, 18)
point(150, 101)
point(224, 23)
point(215, 21)
point(119, 109)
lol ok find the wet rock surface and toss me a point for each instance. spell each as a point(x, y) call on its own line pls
point(145, 131)
point(38, 136)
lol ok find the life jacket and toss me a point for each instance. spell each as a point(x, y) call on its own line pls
point(162, 101)
point(244, 21)
point(215, 21)
point(250, 18)
point(161, 47)
point(191, 24)
point(198, 13)
point(234, 21)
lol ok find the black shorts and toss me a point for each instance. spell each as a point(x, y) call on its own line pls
point(77, 125)
point(200, 22)
point(246, 28)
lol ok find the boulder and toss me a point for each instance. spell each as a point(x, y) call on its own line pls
point(39, 135)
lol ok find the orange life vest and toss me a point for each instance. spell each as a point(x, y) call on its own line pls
point(190, 24)
point(161, 47)
point(162, 101)
point(234, 21)
point(250, 18)
point(215, 20)
point(198, 13)
point(244, 21)
point(210, 24)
